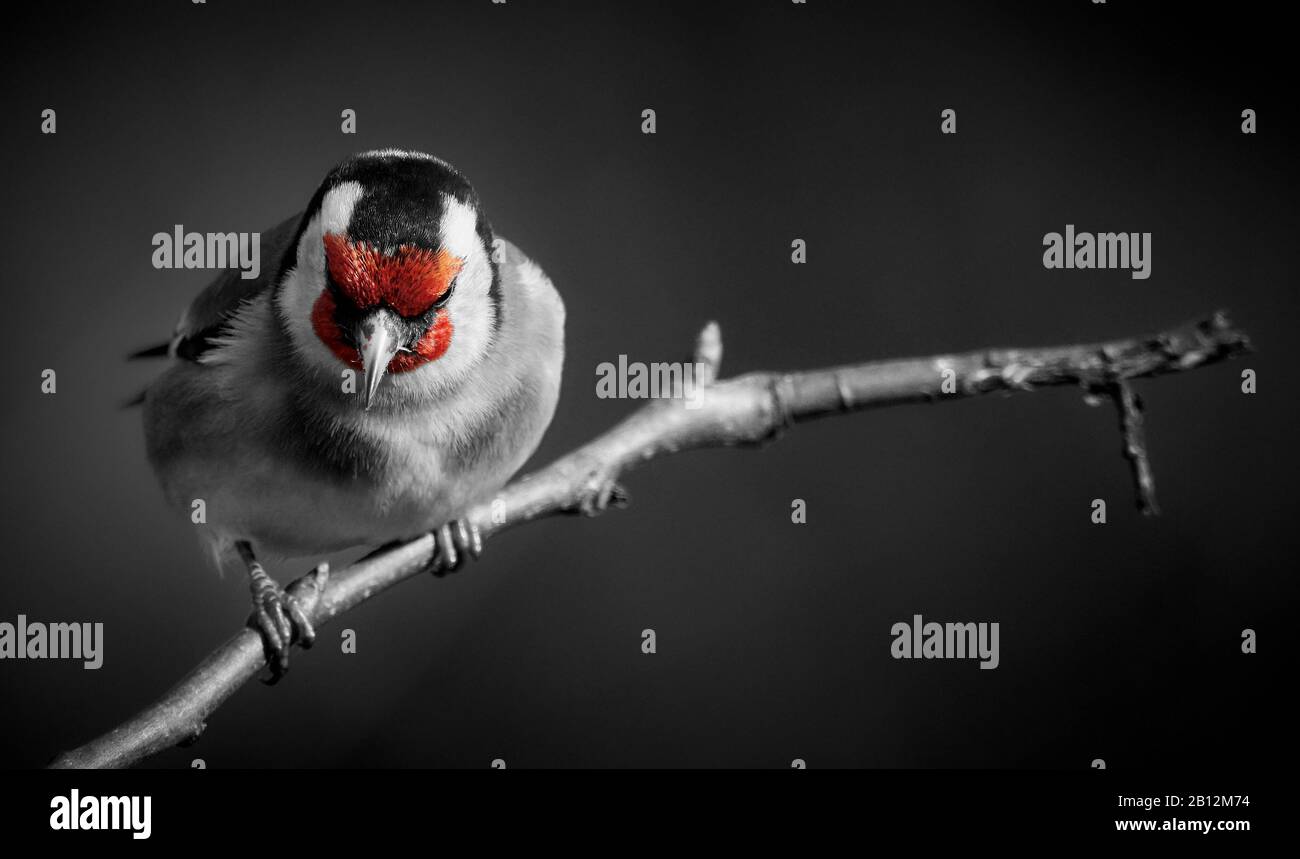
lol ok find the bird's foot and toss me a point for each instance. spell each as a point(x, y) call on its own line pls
point(598, 494)
point(277, 615)
point(454, 543)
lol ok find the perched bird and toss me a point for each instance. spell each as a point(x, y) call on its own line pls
point(393, 363)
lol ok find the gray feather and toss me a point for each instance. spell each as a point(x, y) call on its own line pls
point(212, 308)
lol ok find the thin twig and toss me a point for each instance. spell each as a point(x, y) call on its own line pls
point(747, 410)
point(1131, 427)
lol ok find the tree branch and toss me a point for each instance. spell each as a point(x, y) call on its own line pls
point(747, 410)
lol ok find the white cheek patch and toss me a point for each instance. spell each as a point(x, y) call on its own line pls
point(336, 208)
point(458, 228)
point(303, 283)
point(298, 292)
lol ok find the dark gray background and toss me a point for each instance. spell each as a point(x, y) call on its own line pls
point(776, 121)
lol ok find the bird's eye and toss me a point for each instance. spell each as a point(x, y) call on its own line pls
point(446, 296)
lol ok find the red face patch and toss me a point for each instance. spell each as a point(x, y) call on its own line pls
point(409, 282)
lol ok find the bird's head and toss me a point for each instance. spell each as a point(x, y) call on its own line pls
point(391, 276)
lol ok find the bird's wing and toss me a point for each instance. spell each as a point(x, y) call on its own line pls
point(210, 312)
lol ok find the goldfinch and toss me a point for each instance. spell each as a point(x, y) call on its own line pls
point(393, 363)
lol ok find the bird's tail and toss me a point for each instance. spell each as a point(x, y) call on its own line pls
point(159, 351)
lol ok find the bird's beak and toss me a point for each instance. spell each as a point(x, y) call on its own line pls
point(378, 339)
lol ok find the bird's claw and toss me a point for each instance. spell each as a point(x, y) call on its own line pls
point(278, 616)
point(453, 544)
point(599, 495)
